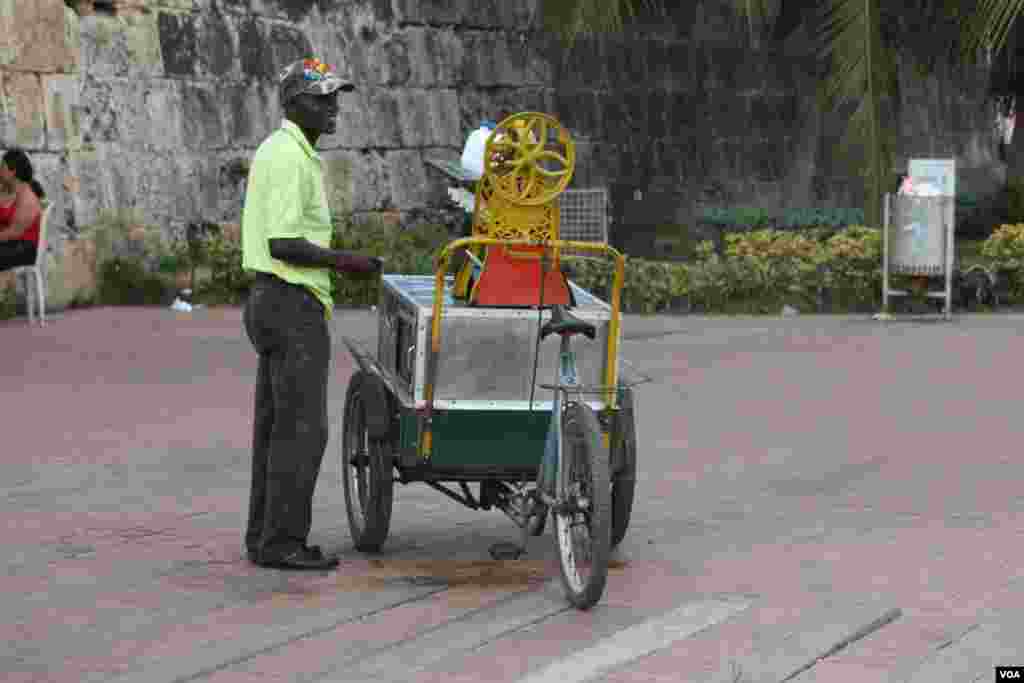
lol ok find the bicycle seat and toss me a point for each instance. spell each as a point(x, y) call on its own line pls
point(564, 322)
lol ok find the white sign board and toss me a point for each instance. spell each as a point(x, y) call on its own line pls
point(937, 174)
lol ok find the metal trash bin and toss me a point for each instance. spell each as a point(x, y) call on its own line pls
point(918, 241)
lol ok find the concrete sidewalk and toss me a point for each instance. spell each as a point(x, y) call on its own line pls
point(787, 464)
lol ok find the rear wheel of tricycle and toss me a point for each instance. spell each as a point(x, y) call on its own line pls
point(623, 459)
point(365, 471)
point(582, 518)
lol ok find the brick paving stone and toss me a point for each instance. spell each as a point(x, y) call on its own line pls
point(788, 463)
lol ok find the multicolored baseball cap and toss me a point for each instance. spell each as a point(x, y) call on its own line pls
point(309, 75)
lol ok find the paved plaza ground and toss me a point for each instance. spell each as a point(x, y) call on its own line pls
point(821, 498)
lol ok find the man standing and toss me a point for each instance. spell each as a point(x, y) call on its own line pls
point(286, 233)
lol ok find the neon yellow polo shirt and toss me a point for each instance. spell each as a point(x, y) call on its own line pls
point(285, 198)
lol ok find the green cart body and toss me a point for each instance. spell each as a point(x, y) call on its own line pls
point(484, 424)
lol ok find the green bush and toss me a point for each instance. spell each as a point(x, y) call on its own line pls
point(854, 268)
point(227, 283)
point(711, 279)
point(128, 256)
point(647, 286)
point(1005, 247)
point(123, 234)
point(1004, 250)
point(8, 302)
point(763, 270)
point(127, 282)
point(775, 267)
point(650, 286)
point(409, 251)
point(758, 272)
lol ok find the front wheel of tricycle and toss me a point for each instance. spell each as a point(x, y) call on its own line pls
point(365, 471)
point(582, 516)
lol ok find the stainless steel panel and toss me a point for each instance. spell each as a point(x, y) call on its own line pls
point(487, 353)
point(387, 319)
point(396, 341)
point(491, 359)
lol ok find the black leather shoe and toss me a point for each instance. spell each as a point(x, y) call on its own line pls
point(254, 555)
point(303, 558)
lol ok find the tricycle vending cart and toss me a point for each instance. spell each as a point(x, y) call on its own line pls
point(449, 399)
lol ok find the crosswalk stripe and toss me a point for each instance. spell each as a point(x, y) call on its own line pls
point(636, 641)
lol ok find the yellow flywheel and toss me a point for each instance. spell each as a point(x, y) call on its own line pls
point(530, 158)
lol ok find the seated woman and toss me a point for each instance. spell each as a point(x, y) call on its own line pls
point(21, 211)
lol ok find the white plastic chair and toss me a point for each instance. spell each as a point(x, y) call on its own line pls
point(36, 269)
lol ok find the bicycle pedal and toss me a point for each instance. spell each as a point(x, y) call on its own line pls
point(506, 551)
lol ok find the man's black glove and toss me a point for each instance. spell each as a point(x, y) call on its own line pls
point(354, 263)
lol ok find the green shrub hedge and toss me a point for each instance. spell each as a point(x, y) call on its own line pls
point(1003, 252)
point(410, 251)
point(8, 302)
point(757, 271)
point(126, 282)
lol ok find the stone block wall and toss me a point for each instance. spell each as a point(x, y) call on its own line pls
point(684, 114)
point(175, 99)
point(159, 104)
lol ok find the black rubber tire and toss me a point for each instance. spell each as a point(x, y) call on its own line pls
point(368, 483)
point(585, 464)
point(624, 478)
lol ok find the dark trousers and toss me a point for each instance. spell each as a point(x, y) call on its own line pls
point(286, 325)
point(14, 253)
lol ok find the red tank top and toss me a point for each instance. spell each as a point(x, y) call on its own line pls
point(31, 234)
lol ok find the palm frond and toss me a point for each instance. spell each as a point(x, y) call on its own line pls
point(758, 13)
point(989, 25)
point(574, 18)
point(862, 72)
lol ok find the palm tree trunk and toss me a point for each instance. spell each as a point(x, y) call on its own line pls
point(877, 172)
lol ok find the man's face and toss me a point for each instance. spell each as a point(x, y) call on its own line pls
point(316, 113)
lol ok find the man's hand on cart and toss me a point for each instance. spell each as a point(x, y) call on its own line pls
point(355, 263)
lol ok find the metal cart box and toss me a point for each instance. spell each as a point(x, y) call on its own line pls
point(487, 354)
point(482, 407)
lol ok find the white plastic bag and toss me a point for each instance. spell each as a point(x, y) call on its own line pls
point(181, 306)
point(462, 198)
point(473, 152)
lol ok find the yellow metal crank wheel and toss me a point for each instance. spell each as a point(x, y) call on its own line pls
point(530, 158)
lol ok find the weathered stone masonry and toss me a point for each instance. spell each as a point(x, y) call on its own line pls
point(158, 105)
